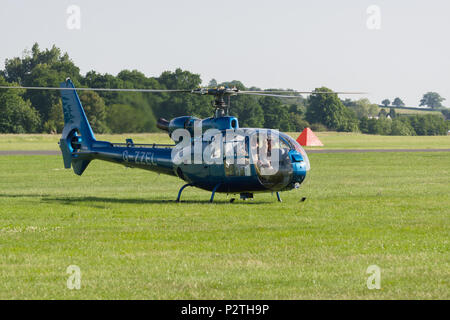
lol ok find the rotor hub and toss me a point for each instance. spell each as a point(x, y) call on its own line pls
point(221, 107)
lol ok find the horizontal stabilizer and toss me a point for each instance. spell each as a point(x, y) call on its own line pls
point(79, 166)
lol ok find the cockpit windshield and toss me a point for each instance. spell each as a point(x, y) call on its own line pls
point(294, 145)
point(270, 153)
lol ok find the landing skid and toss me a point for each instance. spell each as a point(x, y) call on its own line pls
point(243, 196)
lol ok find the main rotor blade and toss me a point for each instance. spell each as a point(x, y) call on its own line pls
point(280, 94)
point(267, 95)
point(94, 89)
point(301, 92)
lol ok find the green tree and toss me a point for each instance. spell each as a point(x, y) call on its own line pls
point(55, 122)
point(136, 79)
point(318, 127)
point(398, 102)
point(248, 111)
point(297, 123)
point(392, 113)
point(16, 114)
point(380, 126)
point(401, 128)
point(428, 125)
point(123, 118)
point(364, 125)
point(180, 104)
point(97, 80)
point(348, 102)
point(246, 108)
point(276, 115)
point(212, 83)
point(297, 108)
point(364, 108)
point(140, 108)
point(38, 67)
point(143, 105)
point(95, 109)
point(446, 113)
point(432, 100)
point(386, 102)
point(327, 109)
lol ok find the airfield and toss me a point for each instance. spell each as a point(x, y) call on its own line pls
point(370, 200)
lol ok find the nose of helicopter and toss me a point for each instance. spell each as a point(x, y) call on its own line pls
point(299, 169)
point(299, 161)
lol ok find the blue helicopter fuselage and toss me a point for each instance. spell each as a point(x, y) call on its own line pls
point(234, 178)
point(79, 147)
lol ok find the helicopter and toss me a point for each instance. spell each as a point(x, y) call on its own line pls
point(212, 154)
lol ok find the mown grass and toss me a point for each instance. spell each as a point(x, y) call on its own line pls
point(345, 140)
point(331, 140)
point(131, 241)
point(50, 141)
point(412, 111)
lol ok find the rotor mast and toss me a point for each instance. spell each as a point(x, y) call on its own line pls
point(221, 108)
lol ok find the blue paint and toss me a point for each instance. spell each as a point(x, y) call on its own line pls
point(79, 147)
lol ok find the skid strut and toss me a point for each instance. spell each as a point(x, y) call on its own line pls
point(181, 190)
point(214, 192)
point(279, 197)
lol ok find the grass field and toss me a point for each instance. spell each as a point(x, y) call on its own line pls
point(130, 240)
point(412, 111)
point(419, 112)
point(331, 140)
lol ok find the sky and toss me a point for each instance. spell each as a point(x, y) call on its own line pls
point(393, 48)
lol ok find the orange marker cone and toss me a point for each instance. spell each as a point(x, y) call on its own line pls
point(308, 138)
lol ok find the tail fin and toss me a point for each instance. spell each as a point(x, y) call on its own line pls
point(77, 135)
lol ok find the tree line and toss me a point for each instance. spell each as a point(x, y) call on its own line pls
point(32, 111)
